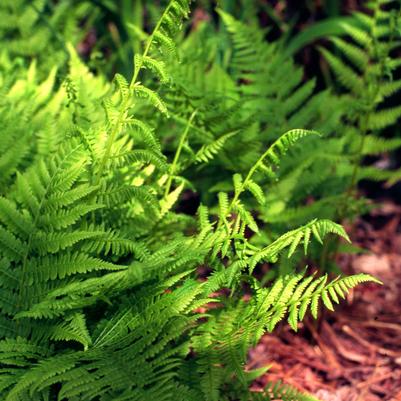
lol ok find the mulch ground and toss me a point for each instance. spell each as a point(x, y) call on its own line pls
point(355, 353)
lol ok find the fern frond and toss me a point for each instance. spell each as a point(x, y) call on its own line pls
point(358, 34)
point(389, 88)
point(383, 118)
point(256, 191)
point(346, 76)
point(282, 392)
point(147, 136)
point(375, 145)
point(152, 96)
point(123, 85)
point(319, 229)
point(207, 152)
point(355, 54)
point(167, 203)
point(64, 265)
point(296, 295)
point(283, 144)
point(73, 329)
point(223, 204)
point(158, 67)
point(143, 156)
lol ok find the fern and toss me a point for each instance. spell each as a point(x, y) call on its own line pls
point(373, 41)
point(319, 229)
point(297, 294)
point(107, 290)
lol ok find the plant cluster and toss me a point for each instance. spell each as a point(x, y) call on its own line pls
point(108, 291)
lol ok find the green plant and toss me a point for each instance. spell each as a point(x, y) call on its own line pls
point(100, 287)
point(364, 67)
point(260, 92)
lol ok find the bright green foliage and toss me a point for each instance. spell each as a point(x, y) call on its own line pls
point(258, 93)
point(107, 291)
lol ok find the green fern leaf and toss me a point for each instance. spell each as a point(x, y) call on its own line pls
point(256, 191)
point(208, 152)
point(153, 97)
point(123, 85)
point(384, 118)
point(346, 76)
point(73, 329)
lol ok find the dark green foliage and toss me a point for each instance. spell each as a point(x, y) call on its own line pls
point(107, 291)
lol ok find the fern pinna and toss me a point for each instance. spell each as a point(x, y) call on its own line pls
point(101, 297)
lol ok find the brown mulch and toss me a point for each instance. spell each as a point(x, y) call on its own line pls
point(355, 353)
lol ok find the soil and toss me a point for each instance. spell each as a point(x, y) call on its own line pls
point(353, 354)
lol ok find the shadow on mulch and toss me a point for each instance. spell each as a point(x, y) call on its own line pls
point(355, 353)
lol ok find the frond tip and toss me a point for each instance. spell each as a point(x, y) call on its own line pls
point(284, 143)
point(296, 294)
point(281, 391)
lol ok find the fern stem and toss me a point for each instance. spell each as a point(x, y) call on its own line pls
point(248, 178)
point(178, 153)
point(138, 15)
point(149, 44)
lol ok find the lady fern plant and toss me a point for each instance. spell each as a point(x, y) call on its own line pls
point(260, 93)
point(100, 292)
